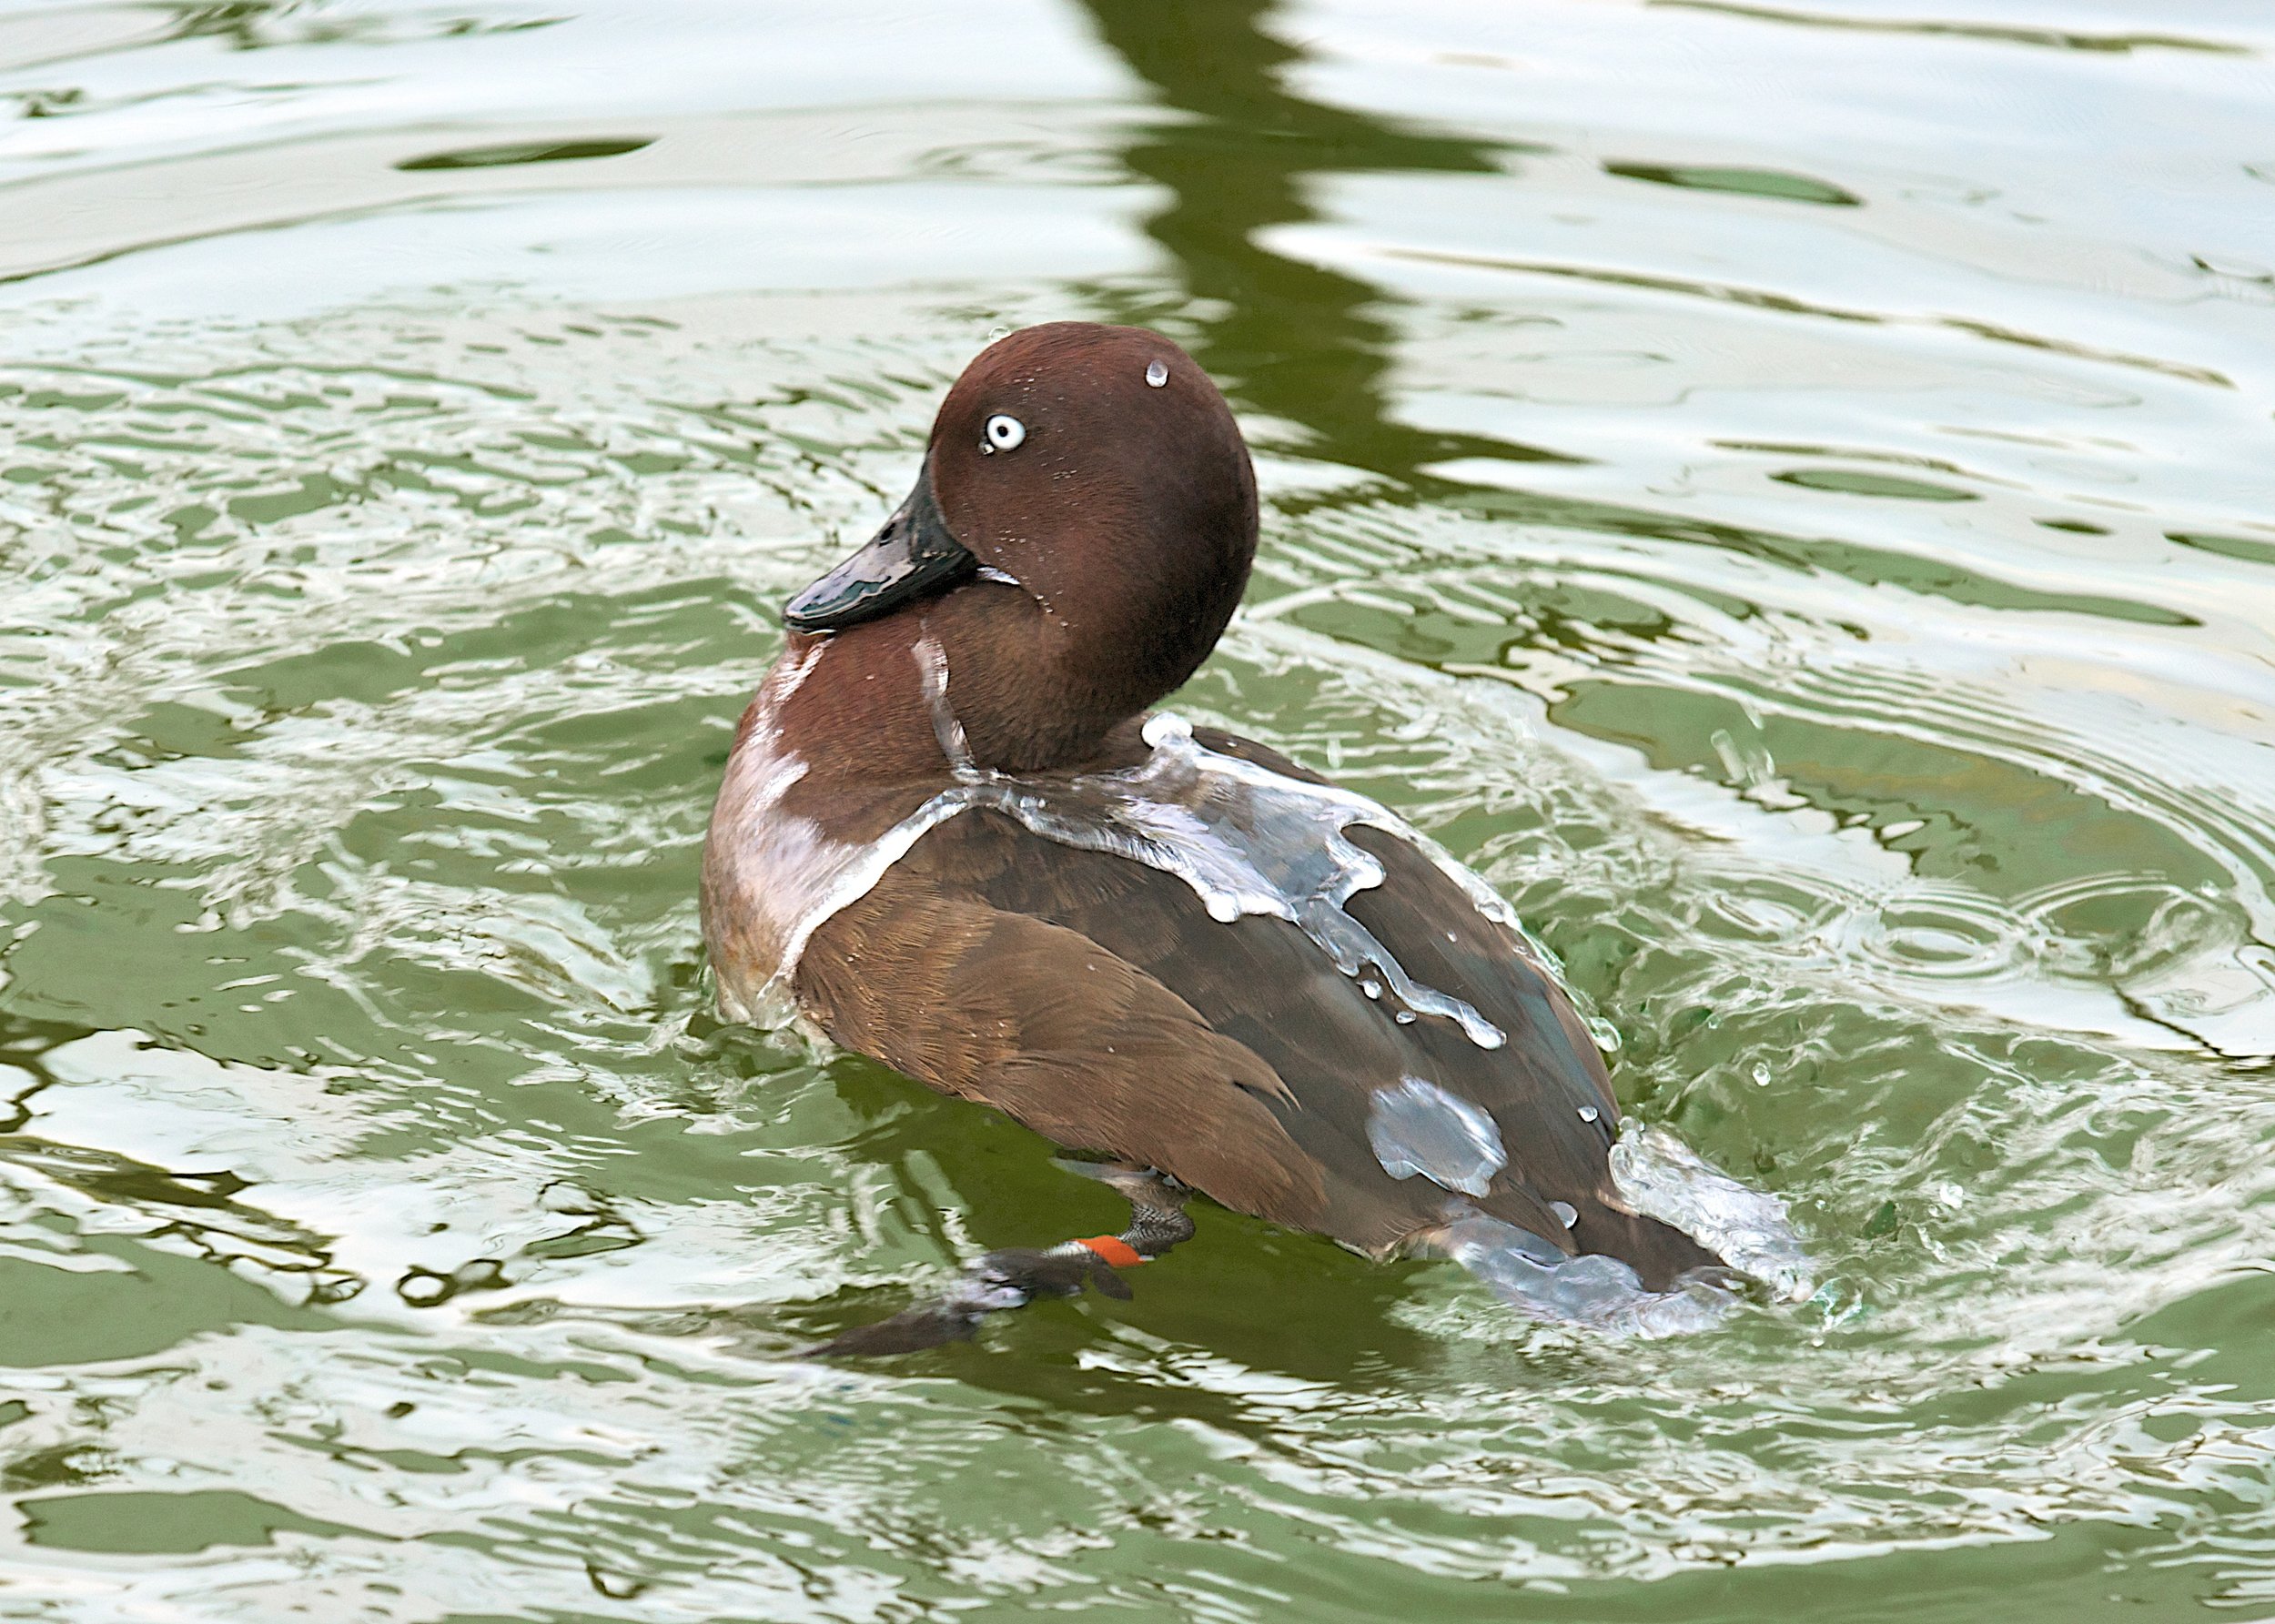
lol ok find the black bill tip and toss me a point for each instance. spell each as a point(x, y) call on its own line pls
point(914, 556)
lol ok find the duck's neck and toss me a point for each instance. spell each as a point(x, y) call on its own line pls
point(953, 686)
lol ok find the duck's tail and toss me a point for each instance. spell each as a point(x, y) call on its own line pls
point(1685, 1231)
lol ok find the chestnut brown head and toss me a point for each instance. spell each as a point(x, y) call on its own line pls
point(1081, 531)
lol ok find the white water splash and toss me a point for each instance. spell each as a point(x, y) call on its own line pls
point(1659, 1175)
point(1592, 1289)
point(1663, 1178)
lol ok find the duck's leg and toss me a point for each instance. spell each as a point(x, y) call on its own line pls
point(1016, 1275)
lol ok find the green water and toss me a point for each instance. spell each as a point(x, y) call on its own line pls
point(1785, 490)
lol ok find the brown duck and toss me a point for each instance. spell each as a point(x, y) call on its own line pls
point(951, 834)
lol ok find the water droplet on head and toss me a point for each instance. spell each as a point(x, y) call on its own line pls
point(1589, 1113)
point(995, 333)
point(1157, 372)
point(1566, 1213)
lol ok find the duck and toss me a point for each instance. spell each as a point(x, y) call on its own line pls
point(956, 835)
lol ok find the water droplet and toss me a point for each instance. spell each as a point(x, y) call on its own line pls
point(1589, 1113)
point(1404, 1017)
point(1156, 373)
point(1416, 1126)
point(1566, 1213)
point(1372, 988)
point(1760, 1073)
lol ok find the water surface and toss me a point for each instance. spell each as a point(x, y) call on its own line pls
point(1784, 491)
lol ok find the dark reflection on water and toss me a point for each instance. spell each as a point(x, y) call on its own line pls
point(1296, 340)
point(2061, 39)
point(527, 152)
point(1749, 183)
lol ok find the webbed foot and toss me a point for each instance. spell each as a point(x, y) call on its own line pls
point(1016, 1275)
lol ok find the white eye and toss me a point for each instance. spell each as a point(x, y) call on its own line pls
point(1003, 433)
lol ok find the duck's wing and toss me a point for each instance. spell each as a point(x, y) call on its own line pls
point(1095, 1000)
point(1044, 1021)
point(1549, 1067)
point(1546, 1086)
point(1061, 1033)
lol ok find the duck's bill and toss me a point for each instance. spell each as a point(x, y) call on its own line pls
point(914, 556)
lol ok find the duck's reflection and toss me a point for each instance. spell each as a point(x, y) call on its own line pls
point(1296, 340)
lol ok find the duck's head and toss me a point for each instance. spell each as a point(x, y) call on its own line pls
point(1080, 533)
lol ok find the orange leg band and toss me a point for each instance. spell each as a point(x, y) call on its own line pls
point(1114, 1250)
